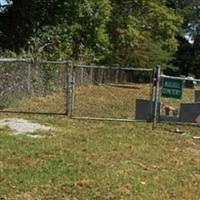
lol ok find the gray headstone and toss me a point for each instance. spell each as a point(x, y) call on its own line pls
point(144, 109)
point(189, 112)
point(197, 96)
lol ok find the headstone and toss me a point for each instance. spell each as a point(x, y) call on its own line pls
point(144, 110)
point(189, 112)
point(197, 96)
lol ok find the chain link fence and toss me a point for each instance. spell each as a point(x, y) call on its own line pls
point(33, 87)
point(79, 91)
point(97, 92)
point(177, 100)
point(111, 93)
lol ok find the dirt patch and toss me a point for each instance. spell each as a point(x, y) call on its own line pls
point(25, 196)
point(23, 127)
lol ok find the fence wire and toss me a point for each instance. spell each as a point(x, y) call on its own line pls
point(183, 110)
point(32, 87)
point(53, 87)
point(94, 92)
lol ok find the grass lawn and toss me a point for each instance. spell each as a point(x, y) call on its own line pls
point(90, 160)
point(100, 160)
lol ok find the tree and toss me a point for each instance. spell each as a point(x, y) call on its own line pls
point(187, 58)
point(140, 33)
point(21, 19)
point(142, 30)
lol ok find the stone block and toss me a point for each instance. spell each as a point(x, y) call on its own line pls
point(197, 96)
point(189, 112)
point(144, 109)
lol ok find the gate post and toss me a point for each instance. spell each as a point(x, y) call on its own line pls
point(156, 97)
point(73, 82)
point(66, 89)
point(152, 94)
point(70, 87)
point(68, 70)
point(29, 79)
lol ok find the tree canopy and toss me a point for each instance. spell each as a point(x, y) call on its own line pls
point(140, 33)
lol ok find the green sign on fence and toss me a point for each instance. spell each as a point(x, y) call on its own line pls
point(172, 88)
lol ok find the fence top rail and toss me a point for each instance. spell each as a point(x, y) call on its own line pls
point(51, 62)
point(114, 68)
point(30, 60)
point(180, 78)
point(15, 59)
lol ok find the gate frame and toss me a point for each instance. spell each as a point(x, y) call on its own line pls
point(73, 95)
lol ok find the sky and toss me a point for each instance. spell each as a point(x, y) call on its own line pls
point(3, 2)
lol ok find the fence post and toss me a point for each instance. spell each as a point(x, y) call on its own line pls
point(91, 76)
point(70, 100)
point(152, 94)
point(82, 74)
point(29, 79)
point(73, 89)
point(68, 89)
point(66, 68)
point(156, 97)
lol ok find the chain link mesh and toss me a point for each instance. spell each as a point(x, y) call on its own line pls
point(170, 108)
point(110, 93)
point(30, 87)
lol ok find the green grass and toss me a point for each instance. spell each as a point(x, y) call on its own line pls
point(99, 160)
point(86, 160)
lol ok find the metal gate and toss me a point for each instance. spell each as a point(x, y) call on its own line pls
point(111, 93)
point(79, 91)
